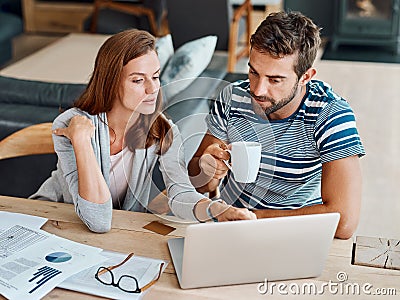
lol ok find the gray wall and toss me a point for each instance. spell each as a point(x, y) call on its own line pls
point(320, 11)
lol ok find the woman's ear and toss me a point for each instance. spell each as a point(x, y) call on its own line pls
point(307, 76)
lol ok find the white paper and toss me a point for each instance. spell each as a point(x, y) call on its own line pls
point(17, 238)
point(45, 261)
point(8, 219)
point(142, 268)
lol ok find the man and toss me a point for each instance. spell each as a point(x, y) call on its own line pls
point(310, 144)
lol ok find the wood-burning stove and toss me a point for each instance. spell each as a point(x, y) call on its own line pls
point(367, 22)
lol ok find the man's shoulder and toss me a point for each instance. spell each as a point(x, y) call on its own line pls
point(323, 104)
point(242, 83)
point(320, 91)
point(241, 87)
point(235, 94)
point(320, 95)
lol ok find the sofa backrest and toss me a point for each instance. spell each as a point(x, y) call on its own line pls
point(19, 91)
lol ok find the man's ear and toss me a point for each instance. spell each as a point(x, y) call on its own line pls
point(307, 76)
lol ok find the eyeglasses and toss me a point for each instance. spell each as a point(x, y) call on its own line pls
point(125, 283)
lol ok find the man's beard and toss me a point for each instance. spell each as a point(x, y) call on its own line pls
point(275, 105)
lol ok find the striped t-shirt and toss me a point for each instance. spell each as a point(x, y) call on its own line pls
point(323, 129)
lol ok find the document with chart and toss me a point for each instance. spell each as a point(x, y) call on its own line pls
point(33, 262)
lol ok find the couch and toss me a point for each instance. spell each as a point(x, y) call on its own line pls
point(28, 102)
point(37, 88)
point(34, 90)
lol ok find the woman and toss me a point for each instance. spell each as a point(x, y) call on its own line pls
point(109, 143)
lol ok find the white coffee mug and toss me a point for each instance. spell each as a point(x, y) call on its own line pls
point(245, 160)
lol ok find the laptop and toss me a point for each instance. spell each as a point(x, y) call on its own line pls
point(225, 253)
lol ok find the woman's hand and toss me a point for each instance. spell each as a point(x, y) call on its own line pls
point(224, 212)
point(221, 211)
point(80, 128)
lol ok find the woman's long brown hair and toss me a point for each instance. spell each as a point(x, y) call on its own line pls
point(104, 87)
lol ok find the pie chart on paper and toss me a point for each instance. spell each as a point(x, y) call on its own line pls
point(58, 257)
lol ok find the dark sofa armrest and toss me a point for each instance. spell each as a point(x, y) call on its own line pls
point(20, 91)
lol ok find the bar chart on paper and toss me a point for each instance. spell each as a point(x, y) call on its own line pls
point(45, 274)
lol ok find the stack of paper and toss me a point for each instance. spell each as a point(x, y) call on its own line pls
point(33, 262)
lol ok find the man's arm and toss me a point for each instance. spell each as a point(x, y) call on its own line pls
point(341, 192)
point(206, 168)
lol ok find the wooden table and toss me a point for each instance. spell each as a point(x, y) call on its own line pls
point(127, 235)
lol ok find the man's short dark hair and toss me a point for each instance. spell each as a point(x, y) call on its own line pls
point(285, 33)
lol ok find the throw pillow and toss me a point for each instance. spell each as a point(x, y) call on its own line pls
point(165, 49)
point(187, 63)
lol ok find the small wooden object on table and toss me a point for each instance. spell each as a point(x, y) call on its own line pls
point(377, 252)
